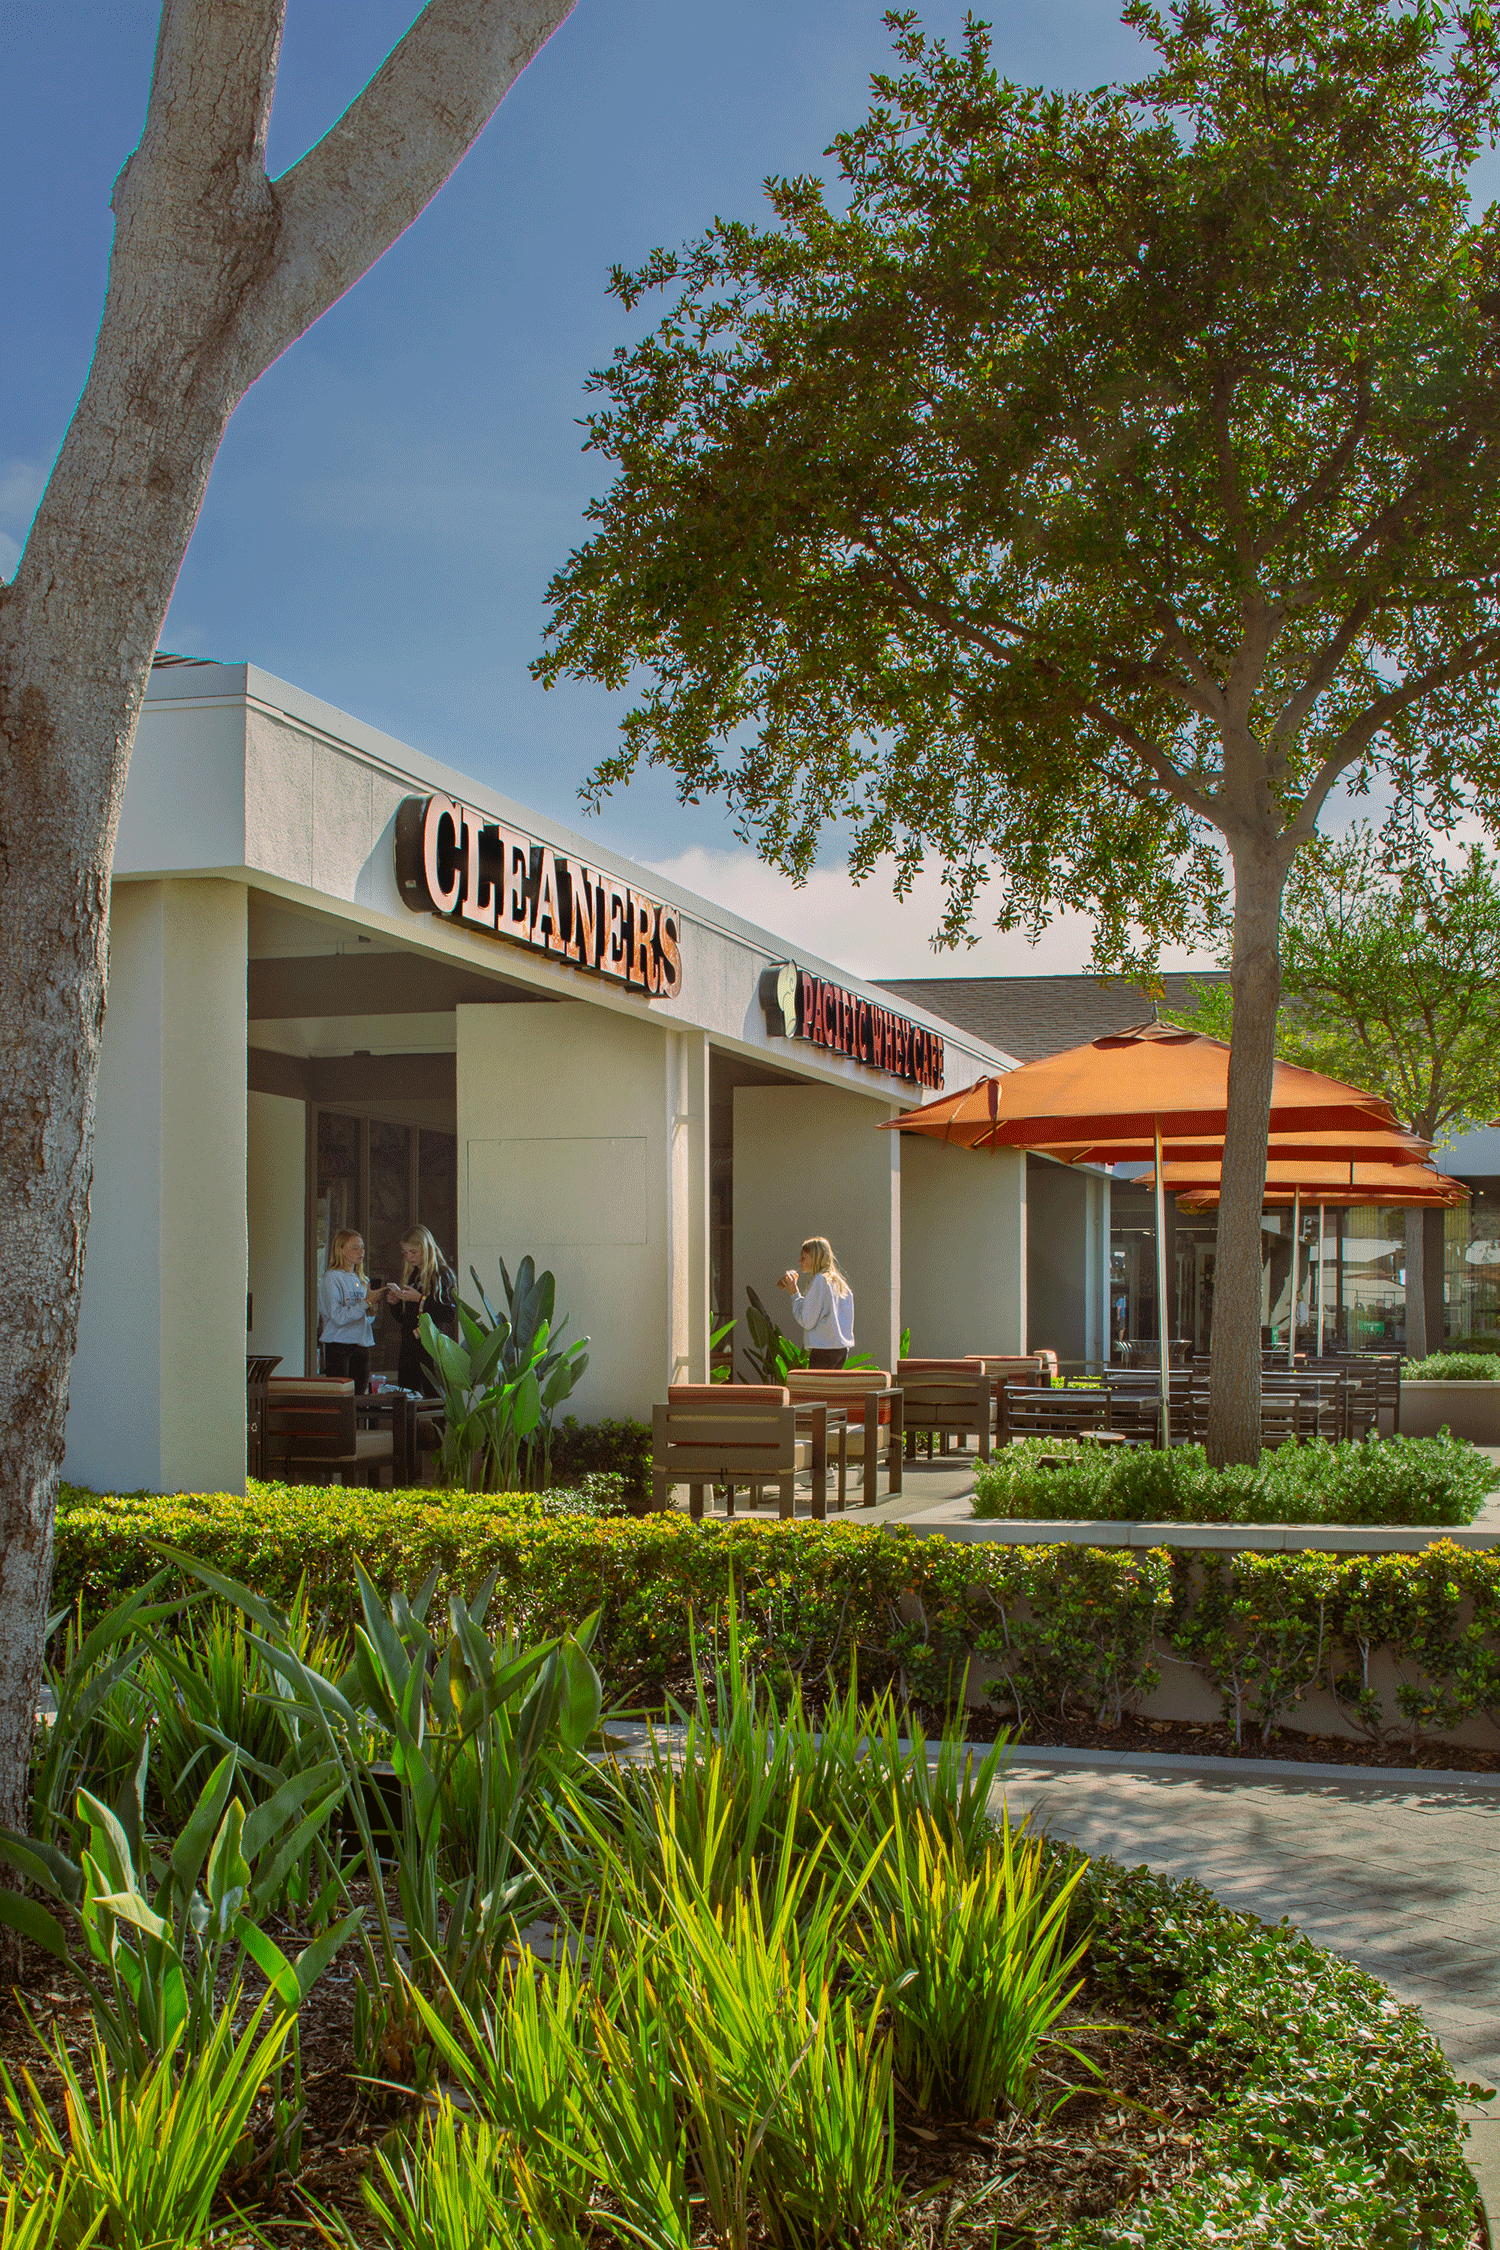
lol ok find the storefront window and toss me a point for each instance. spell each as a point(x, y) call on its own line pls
point(1471, 1265)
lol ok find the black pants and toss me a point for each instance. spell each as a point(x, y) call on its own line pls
point(824, 1358)
point(348, 1359)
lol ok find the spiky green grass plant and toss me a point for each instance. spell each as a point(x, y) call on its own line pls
point(139, 2165)
point(971, 1949)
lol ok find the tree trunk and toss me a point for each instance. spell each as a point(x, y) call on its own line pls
point(215, 270)
point(1255, 980)
point(1416, 1285)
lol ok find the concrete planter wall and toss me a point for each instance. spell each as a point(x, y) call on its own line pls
point(1469, 1410)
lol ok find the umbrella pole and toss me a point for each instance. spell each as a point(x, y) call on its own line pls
point(1161, 1295)
point(1322, 1286)
point(1291, 1323)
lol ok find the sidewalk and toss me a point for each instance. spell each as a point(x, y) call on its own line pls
point(1402, 1879)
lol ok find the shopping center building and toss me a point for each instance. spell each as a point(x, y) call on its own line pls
point(349, 986)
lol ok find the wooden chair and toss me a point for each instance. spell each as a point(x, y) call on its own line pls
point(258, 1369)
point(870, 1402)
point(1076, 1412)
point(945, 1398)
point(732, 1434)
point(310, 1425)
point(1137, 1397)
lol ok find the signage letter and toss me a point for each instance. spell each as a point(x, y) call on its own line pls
point(807, 997)
point(641, 967)
point(616, 935)
point(668, 933)
point(583, 899)
point(440, 853)
point(479, 898)
point(546, 908)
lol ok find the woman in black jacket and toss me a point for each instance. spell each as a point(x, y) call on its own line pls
point(427, 1285)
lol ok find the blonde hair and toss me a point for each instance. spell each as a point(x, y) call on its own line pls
point(336, 1252)
point(820, 1250)
point(430, 1264)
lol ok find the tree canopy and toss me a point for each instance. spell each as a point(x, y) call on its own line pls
point(1077, 489)
point(1391, 978)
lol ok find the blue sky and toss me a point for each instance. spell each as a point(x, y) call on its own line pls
point(393, 495)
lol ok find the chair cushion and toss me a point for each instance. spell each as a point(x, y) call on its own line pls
point(293, 1387)
point(729, 1395)
point(841, 1387)
point(937, 1367)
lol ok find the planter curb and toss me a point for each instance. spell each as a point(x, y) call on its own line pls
point(1224, 1538)
point(1250, 1769)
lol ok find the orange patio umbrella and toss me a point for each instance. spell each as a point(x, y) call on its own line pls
point(1152, 1082)
point(1381, 1144)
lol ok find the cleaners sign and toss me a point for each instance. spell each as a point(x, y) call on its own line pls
point(799, 1005)
point(451, 861)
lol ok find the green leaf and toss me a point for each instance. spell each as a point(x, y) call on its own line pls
point(193, 1845)
point(18, 1912)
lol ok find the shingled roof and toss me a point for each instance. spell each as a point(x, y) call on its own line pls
point(1031, 1016)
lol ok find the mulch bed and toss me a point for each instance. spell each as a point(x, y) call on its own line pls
point(1125, 2128)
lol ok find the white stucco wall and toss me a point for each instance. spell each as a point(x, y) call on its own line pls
point(276, 1212)
point(812, 1160)
point(564, 1120)
point(1067, 1263)
point(963, 1249)
point(158, 1387)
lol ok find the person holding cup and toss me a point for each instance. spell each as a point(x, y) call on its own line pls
point(427, 1285)
point(823, 1304)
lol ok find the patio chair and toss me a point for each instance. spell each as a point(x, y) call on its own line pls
point(1137, 1403)
point(310, 1426)
point(870, 1402)
point(733, 1434)
point(945, 1398)
point(1076, 1412)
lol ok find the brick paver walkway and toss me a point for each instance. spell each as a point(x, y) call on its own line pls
point(1404, 1879)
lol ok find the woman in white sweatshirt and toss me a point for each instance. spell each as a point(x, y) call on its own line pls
point(823, 1303)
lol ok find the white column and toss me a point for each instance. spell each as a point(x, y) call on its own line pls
point(158, 1389)
point(688, 1204)
point(276, 1205)
point(564, 1151)
point(811, 1160)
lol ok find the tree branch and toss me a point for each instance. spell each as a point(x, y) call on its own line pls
point(1477, 650)
point(1328, 479)
point(350, 198)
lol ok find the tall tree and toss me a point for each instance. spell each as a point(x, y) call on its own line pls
point(1080, 491)
point(215, 269)
point(1391, 979)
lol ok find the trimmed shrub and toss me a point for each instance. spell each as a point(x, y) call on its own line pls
point(1452, 1367)
point(1417, 1481)
point(583, 1450)
point(1045, 1631)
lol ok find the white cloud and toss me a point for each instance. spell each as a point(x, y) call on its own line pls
point(21, 487)
point(864, 929)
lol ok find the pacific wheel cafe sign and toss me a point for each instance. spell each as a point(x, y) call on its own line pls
point(799, 1005)
point(452, 861)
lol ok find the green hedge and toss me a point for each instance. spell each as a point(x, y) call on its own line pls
point(1060, 1630)
point(1418, 1481)
point(1338, 2126)
point(1452, 1366)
